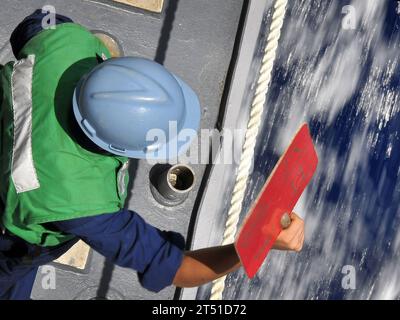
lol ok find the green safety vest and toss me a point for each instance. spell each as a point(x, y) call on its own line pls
point(45, 174)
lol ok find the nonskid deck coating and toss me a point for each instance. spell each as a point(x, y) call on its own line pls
point(194, 39)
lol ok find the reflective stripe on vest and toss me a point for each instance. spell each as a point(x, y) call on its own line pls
point(23, 170)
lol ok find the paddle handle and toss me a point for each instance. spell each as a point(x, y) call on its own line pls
point(285, 221)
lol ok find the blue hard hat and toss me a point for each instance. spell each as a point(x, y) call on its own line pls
point(121, 100)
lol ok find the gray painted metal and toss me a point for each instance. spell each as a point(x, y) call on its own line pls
point(195, 42)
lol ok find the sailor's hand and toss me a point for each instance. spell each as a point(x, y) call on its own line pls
point(291, 238)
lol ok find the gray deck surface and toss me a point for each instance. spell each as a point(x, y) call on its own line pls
point(199, 50)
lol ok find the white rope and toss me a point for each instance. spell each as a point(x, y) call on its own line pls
point(253, 125)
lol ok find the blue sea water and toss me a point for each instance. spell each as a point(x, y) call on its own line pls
point(342, 77)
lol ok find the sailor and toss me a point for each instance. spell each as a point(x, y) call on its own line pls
point(70, 117)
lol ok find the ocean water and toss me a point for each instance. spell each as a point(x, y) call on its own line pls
point(338, 70)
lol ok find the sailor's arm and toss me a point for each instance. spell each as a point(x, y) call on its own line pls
point(205, 265)
point(127, 240)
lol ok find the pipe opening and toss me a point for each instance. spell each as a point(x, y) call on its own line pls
point(181, 178)
point(170, 185)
